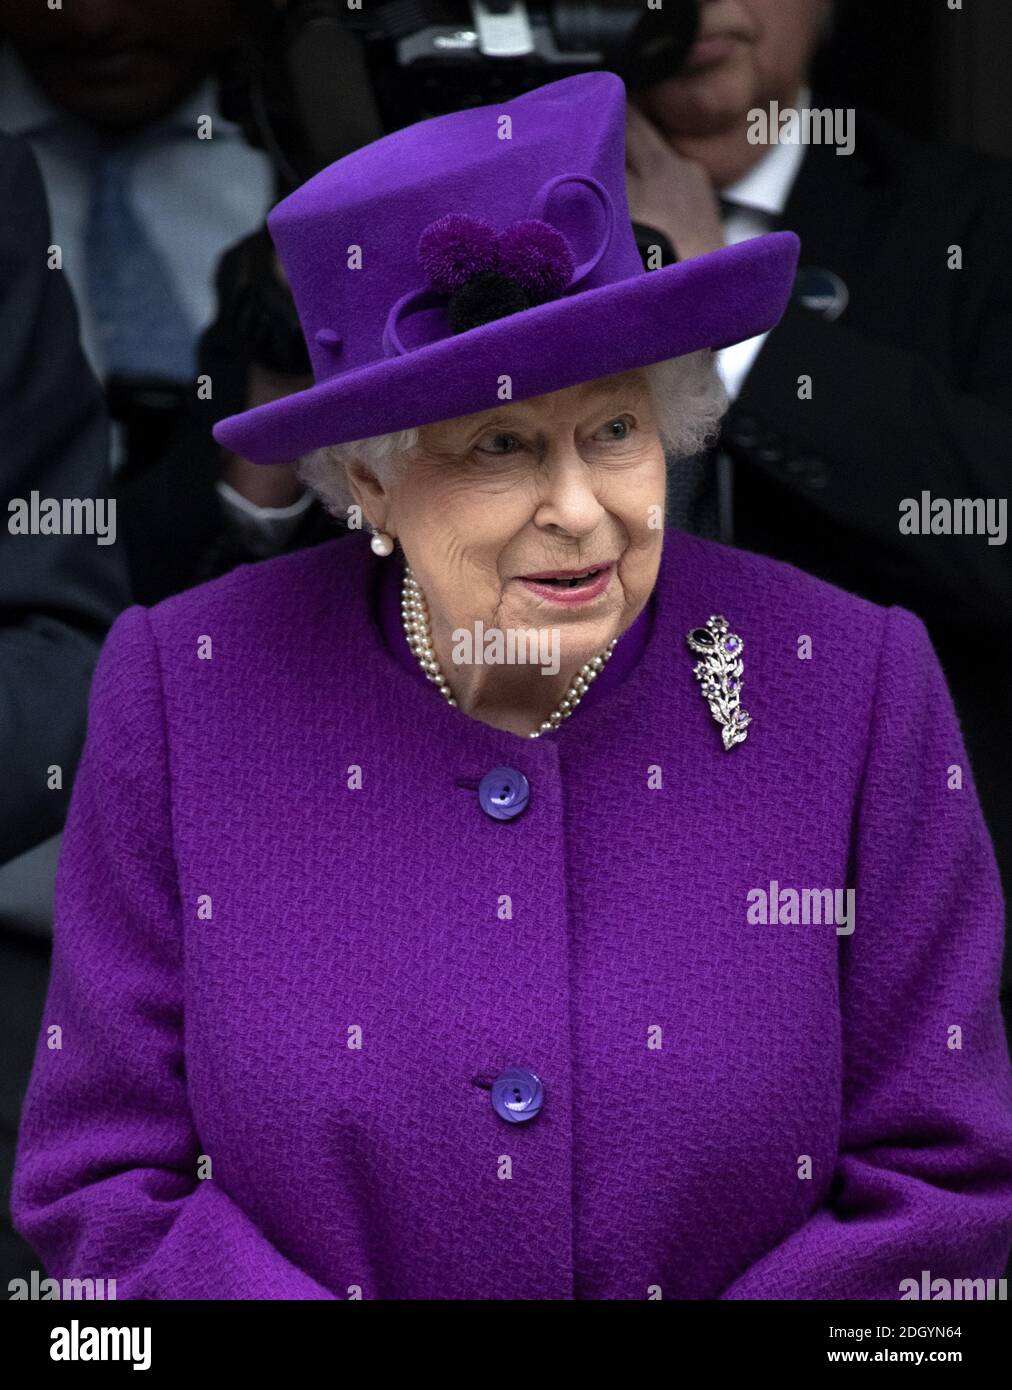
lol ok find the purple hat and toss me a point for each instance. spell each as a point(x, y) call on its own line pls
point(486, 256)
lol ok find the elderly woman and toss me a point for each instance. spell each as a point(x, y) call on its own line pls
point(434, 918)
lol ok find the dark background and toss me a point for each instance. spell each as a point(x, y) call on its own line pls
point(938, 74)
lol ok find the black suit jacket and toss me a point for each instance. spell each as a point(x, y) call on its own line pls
point(912, 391)
point(58, 594)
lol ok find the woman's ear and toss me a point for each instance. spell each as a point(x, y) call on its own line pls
point(367, 490)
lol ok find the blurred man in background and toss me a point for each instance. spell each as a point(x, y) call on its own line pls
point(909, 358)
point(117, 98)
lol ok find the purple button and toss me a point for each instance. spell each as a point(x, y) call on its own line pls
point(504, 793)
point(517, 1095)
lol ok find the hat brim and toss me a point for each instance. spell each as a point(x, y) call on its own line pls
point(711, 301)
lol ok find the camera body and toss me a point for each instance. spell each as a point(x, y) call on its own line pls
point(317, 79)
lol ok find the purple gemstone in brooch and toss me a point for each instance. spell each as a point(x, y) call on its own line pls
point(719, 675)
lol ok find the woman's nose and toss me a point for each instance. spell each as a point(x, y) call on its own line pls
point(568, 495)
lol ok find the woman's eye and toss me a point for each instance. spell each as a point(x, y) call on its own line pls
point(489, 443)
point(624, 424)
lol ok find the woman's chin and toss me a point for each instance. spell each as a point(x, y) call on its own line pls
point(579, 629)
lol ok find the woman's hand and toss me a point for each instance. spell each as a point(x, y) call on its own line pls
point(669, 192)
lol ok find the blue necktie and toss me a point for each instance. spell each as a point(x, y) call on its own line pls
point(142, 326)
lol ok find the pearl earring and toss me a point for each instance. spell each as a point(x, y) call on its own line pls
point(381, 543)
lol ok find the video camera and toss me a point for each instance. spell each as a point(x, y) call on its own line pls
point(316, 79)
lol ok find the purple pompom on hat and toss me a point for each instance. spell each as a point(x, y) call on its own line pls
point(456, 248)
point(486, 275)
point(537, 256)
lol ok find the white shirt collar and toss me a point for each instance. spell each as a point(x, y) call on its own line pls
point(767, 185)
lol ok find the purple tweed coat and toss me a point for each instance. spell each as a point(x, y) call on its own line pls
point(284, 975)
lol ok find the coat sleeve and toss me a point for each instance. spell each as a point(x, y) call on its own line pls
point(105, 1183)
point(923, 1177)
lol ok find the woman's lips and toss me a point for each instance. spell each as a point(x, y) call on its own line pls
point(569, 596)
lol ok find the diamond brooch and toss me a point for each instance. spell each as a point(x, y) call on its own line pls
point(720, 676)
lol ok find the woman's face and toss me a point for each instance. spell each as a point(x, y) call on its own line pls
point(567, 481)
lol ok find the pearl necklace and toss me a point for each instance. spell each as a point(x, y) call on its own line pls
point(415, 617)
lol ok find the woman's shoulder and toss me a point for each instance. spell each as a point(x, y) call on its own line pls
point(771, 590)
point(258, 613)
point(262, 591)
point(777, 607)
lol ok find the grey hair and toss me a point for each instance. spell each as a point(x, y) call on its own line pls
point(689, 400)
